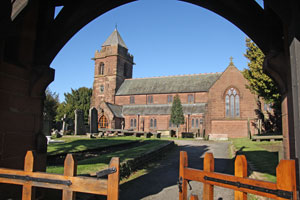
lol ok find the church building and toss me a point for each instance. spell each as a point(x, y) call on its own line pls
point(215, 103)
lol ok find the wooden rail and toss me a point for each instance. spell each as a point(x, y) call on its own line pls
point(69, 182)
point(284, 188)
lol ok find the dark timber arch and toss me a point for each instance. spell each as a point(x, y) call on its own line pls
point(30, 38)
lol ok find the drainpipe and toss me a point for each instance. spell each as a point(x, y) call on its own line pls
point(188, 123)
point(138, 121)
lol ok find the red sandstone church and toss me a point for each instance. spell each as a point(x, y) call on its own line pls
point(218, 103)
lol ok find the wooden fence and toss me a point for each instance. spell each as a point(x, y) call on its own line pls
point(284, 188)
point(69, 182)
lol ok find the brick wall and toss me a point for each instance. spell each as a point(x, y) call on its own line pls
point(231, 78)
point(199, 97)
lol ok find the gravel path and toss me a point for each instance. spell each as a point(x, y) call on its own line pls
point(161, 183)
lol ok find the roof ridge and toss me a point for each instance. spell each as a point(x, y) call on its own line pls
point(179, 75)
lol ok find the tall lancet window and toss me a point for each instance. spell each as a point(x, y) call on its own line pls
point(101, 69)
point(232, 103)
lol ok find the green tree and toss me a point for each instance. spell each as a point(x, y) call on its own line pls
point(177, 117)
point(263, 86)
point(51, 104)
point(77, 99)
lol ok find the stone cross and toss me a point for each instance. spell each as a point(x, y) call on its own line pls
point(93, 116)
point(79, 122)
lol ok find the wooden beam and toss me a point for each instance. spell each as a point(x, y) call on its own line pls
point(240, 170)
point(70, 168)
point(28, 192)
point(208, 166)
point(79, 183)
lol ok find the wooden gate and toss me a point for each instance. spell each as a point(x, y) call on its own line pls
point(69, 182)
point(284, 188)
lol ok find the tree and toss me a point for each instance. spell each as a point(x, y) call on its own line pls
point(264, 87)
point(77, 99)
point(51, 104)
point(177, 117)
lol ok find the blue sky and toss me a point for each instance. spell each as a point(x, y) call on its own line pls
point(165, 37)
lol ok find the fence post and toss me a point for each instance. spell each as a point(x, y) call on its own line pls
point(208, 166)
point(28, 192)
point(286, 177)
point(70, 169)
point(194, 197)
point(240, 170)
point(113, 180)
point(182, 164)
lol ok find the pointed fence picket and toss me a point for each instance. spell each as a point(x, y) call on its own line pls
point(69, 182)
point(284, 188)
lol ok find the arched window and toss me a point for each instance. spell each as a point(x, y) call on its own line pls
point(232, 103)
point(101, 68)
point(103, 123)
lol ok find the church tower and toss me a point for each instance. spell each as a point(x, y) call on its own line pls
point(113, 64)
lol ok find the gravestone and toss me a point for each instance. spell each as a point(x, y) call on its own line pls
point(93, 115)
point(47, 124)
point(64, 125)
point(122, 125)
point(79, 122)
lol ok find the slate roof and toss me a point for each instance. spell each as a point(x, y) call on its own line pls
point(115, 109)
point(162, 109)
point(171, 84)
point(115, 39)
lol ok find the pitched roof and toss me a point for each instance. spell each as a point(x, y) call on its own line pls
point(162, 109)
point(115, 109)
point(115, 39)
point(171, 84)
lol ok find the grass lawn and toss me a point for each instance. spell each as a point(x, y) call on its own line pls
point(98, 163)
point(78, 143)
point(264, 161)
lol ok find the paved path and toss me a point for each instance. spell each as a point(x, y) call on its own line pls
point(161, 183)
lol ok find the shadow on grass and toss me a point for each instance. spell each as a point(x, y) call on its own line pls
point(100, 161)
point(83, 145)
point(262, 161)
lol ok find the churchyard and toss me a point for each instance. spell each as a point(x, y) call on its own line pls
point(94, 154)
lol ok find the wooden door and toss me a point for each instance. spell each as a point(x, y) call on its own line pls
point(103, 123)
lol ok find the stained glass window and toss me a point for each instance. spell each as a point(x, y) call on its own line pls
point(232, 103)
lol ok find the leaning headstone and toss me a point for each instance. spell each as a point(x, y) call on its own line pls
point(79, 122)
point(93, 115)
